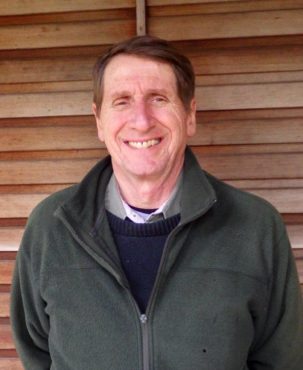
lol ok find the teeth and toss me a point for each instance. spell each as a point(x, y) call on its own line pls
point(143, 144)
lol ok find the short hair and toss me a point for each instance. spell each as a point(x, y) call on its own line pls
point(152, 48)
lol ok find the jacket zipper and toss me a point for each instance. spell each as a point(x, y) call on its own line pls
point(145, 341)
point(144, 318)
point(143, 323)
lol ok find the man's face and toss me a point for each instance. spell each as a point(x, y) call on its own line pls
point(142, 120)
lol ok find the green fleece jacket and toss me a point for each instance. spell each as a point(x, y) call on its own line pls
point(226, 295)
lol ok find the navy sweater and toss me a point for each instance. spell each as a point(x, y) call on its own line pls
point(140, 248)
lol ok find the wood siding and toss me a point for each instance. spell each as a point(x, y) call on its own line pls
point(248, 59)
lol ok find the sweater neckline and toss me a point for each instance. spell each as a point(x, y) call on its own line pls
point(128, 228)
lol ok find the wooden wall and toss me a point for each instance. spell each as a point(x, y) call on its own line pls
point(248, 57)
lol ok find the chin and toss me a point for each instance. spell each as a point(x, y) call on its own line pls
point(145, 171)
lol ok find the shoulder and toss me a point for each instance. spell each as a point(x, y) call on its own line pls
point(46, 208)
point(43, 213)
point(247, 209)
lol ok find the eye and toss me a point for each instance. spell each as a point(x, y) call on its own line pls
point(121, 102)
point(159, 99)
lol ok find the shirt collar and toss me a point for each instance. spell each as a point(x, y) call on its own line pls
point(116, 205)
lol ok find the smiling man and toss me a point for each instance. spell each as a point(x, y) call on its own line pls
point(150, 263)
point(145, 126)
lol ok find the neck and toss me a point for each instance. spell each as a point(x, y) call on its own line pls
point(146, 193)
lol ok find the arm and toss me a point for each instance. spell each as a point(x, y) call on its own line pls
point(281, 344)
point(29, 321)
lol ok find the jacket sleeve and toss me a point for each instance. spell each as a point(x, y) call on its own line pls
point(281, 344)
point(29, 321)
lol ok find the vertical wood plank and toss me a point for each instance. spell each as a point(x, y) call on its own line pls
point(141, 17)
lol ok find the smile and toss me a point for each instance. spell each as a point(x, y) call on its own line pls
point(143, 144)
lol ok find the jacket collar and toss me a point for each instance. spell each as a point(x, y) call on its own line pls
point(198, 194)
point(86, 208)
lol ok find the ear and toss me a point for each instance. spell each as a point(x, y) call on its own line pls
point(191, 119)
point(98, 122)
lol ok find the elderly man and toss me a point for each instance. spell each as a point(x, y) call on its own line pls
point(150, 263)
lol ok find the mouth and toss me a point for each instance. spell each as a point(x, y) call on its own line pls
point(143, 144)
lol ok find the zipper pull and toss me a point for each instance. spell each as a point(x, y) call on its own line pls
point(143, 318)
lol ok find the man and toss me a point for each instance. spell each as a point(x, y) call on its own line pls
point(150, 263)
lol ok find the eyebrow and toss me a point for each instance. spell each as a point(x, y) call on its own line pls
point(150, 92)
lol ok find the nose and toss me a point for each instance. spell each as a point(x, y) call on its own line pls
point(141, 118)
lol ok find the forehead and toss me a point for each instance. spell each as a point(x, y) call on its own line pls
point(125, 69)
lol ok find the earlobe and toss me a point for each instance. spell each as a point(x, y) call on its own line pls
point(94, 109)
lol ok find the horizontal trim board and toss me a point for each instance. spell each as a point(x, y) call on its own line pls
point(260, 59)
point(180, 2)
point(284, 200)
point(68, 17)
point(249, 114)
point(20, 206)
point(6, 339)
point(45, 104)
point(231, 25)
point(37, 172)
point(34, 138)
point(49, 138)
point(233, 97)
point(239, 79)
point(46, 69)
point(66, 34)
point(6, 271)
point(46, 87)
point(252, 96)
point(10, 238)
point(265, 115)
point(249, 78)
point(35, 189)
point(218, 3)
point(245, 59)
point(4, 305)
point(19, 7)
point(228, 166)
point(194, 47)
point(254, 131)
point(10, 363)
point(265, 184)
point(187, 8)
point(59, 52)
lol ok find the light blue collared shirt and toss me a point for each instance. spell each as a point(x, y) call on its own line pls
point(115, 204)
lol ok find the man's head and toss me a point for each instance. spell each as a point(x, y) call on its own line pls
point(151, 48)
point(145, 109)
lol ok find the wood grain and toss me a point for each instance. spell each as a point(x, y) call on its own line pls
point(10, 363)
point(230, 25)
point(65, 34)
point(6, 271)
point(10, 238)
point(6, 340)
point(166, 8)
point(4, 305)
point(21, 7)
